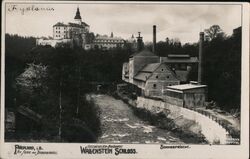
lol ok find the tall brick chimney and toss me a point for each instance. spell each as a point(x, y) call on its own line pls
point(154, 39)
point(200, 67)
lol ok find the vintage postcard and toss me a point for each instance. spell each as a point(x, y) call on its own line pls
point(110, 79)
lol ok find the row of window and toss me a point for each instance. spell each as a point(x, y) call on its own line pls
point(112, 41)
point(59, 31)
point(108, 44)
point(60, 36)
point(60, 28)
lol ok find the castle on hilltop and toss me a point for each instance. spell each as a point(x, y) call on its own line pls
point(78, 34)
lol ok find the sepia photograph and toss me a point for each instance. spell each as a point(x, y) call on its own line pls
point(158, 74)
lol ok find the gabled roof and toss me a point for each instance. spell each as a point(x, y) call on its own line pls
point(59, 24)
point(147, 71)
point(142, 76)
point(144, 52)
point(150, 67)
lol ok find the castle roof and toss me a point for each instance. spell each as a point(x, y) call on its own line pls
point(82, 25)
point(59, 24)
point(75, 25)
point(78, 16)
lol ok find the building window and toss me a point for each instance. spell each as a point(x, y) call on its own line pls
point(183, 67)
point(154, 85)
point(161, 69)
point(156, 76)
point(167, 77)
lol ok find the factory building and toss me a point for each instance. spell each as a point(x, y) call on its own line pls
point(165, 77)
point(186, 95)
point(190, 95)
point(154, 78)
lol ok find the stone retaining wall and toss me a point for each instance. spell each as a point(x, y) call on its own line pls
point(212, 130)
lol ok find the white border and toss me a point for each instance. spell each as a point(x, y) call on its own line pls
point(70, 150)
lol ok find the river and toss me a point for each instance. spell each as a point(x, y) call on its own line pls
point(120, 125)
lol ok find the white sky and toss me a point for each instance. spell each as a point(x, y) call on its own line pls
point(174, 21)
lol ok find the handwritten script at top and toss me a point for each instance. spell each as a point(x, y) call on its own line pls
point(30, 8)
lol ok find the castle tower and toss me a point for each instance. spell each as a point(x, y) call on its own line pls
point(78, 17)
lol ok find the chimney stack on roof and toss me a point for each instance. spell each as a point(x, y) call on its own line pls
point(200, 67)
point(154, 39)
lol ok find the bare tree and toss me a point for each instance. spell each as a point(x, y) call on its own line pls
point(213, 32)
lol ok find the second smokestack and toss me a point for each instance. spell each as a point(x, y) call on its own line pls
point(154, 38)
point(200, 67)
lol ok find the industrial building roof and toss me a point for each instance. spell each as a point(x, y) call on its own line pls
point(186, 86)
point(180, 60)
point(146, 72)
point(178, 55)
point(142, 76)
point(143, 53)
point(150, 67)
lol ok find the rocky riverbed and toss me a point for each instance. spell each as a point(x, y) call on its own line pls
point(120, 125)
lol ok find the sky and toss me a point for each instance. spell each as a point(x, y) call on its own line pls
point(183, 22)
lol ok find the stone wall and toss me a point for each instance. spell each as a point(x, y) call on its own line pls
point(213, 131)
